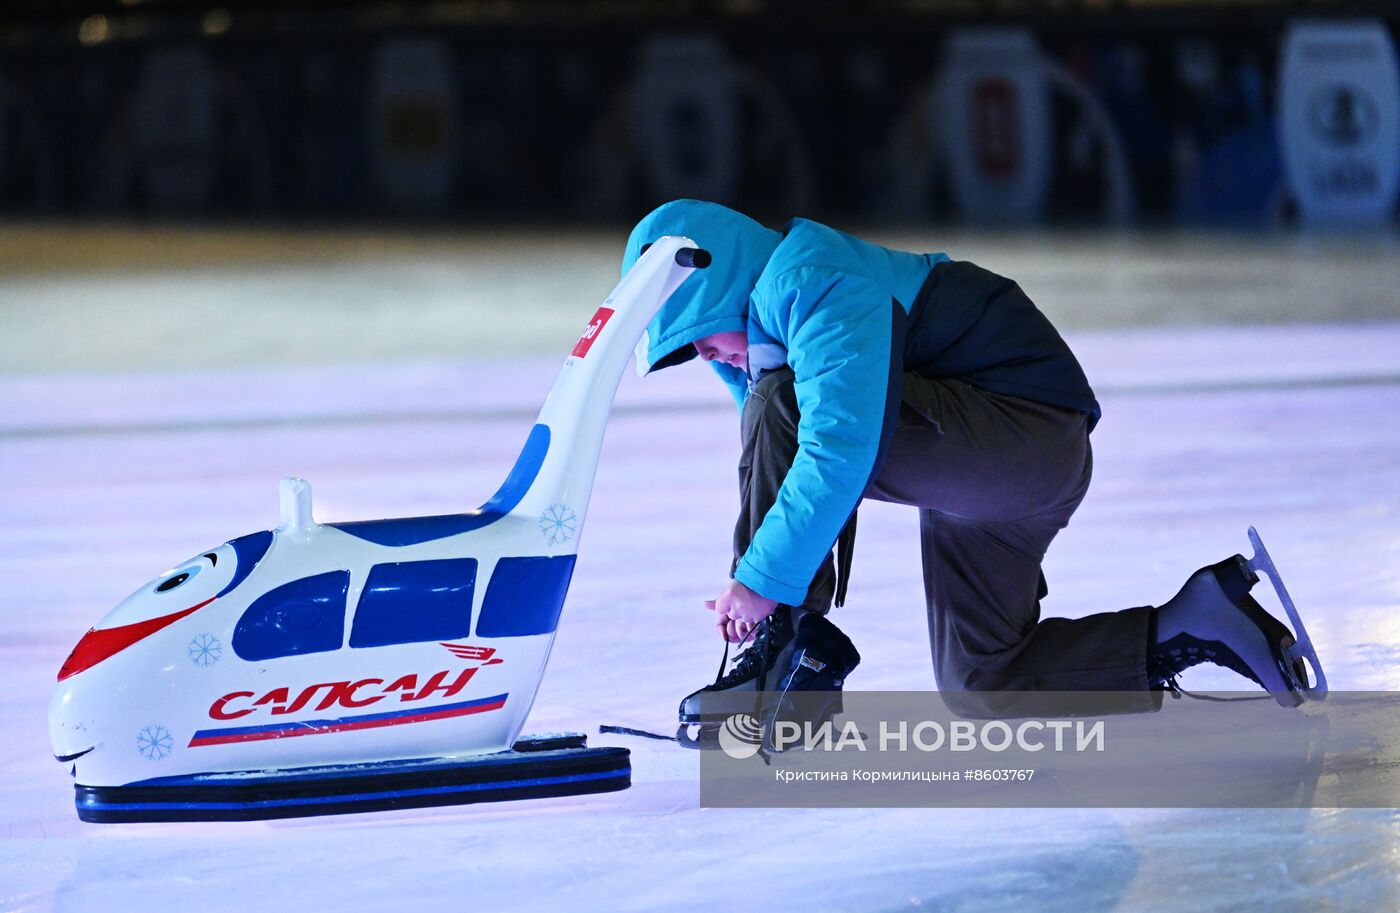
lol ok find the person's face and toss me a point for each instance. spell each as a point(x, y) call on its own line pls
point(732, 348)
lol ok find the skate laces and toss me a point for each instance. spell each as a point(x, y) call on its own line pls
point(1184, 651)
point(1178, 692)
point(754, 660)
point(1168, 665)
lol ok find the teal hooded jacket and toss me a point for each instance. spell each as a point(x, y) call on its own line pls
point(849, 317)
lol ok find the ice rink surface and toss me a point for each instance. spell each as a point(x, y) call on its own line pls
point(148, 410)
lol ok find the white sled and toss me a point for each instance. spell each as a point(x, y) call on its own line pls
point(322, 668)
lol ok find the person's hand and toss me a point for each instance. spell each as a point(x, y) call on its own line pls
point(738, 609)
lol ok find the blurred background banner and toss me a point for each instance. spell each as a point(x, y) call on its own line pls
point(995, 124)
point(684, 124)
point(414, 113)
point(1339, 110)
point(1189, 112)
point(177, 103)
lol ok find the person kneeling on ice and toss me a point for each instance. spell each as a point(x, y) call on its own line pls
point(863, 372)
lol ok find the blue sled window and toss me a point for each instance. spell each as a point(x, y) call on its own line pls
point(415, 602)
point(304, 616)
point(525, 596)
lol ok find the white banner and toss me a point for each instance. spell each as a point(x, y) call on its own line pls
point(1339, 121)
point(995, 124)
point(413, 107)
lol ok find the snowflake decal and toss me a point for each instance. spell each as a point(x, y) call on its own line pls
point(558, 523)
point(205, 650)
point(155, 742)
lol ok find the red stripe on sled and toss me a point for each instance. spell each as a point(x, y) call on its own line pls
point(98, 645)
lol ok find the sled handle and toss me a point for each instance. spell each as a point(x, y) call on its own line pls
point(691, 257)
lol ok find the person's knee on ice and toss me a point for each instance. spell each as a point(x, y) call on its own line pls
point(973, 679)
point(988, 668)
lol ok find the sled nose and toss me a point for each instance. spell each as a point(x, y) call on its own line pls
point(72, 732)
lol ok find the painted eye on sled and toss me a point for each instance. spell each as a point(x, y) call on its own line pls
point(196, 580)
point(180, 591)
point(181, 577)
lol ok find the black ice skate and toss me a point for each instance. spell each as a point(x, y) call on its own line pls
point(758, 668)
point(809, 691)
point(1214, 619)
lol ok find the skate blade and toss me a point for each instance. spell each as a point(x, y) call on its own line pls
point(1302, 650)
point(704, 738)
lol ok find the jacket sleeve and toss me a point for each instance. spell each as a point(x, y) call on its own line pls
point(844, 338)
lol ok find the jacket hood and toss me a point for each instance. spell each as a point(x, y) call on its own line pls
point(712, 300)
